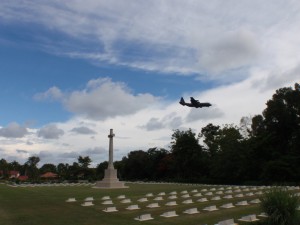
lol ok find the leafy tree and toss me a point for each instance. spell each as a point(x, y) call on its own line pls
point(155, 156)
point(84, 162)
point(210, 134)
point(135, 165)
point(228, 165)
point(3, 168)
point(188, 156)
point(48, 167)
point(31, 169)
point(63, 170)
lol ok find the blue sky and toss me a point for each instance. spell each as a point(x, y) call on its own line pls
point(71, 70)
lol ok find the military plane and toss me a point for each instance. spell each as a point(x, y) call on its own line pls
point(194, 103)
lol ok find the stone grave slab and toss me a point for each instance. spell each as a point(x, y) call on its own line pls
point(216, 198)
point(142, 200)
point(87, 204)
point(172, 197)
point(226, 222)
point(110, 209)
point(188, 201)
point(169, 214)
point(191, 211)
point(144, 217)
point(255, 201)
point(211, 208)
point(121, 197)
point(107, 202)
point(242, 203)
point(249, 218)
point(172, 203)
point(89, 199)
point(227, 206)
point(202, 200)
point(153, 205)
point(126, 200)
point(71, 200)
point(105, 198)
point(133, 207)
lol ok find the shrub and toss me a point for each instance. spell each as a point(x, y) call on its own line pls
point(281, 207)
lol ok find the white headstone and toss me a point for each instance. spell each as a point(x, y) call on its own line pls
point(185, 196)
point(202, 200)
point(89, 199)
point(242, 203)
point(255, 201)
point(239, 195)
point(110, 209)
point(142, 200)
point(188, 201)
point(153, 205)
point(216, 198)
point(121, 197)
point(127, 200)
point(159, 198)
point(172, 203)
point(87, 204)
point(227, 222)
point(191, 211)
point(107, 202)
point(172, 197)
point(144, 217)
point(133, 207)
point(227, 206)
point(227, 196)
point(198, 195)
point(71, 200)
point(211, 208)
point(249, 218)
point(169, 214)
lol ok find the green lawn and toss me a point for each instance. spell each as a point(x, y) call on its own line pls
point(47, 206)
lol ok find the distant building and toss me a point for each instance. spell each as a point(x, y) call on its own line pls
point(49, 175)
point(11, 173)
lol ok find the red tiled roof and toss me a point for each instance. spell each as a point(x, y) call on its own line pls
point(23, 178)
point(49, 175)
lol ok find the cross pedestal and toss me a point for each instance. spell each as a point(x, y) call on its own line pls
point(110, 179)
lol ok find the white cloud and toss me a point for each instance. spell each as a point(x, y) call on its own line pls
point(83, 130)
point(52, 93)
point(13, 130)
point(102, 98)
point(50, 131)
point(182, 37)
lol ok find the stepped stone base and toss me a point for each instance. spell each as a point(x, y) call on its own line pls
point(110, 180)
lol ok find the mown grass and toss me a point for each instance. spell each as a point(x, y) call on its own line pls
point(47, 206)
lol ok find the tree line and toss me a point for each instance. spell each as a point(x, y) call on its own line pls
point(263, 149)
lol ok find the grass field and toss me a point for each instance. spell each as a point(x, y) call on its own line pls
point(48, 206)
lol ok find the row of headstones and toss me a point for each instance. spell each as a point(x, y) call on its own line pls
point(89, 202)
point(248, 218)
point(214, 186)
point(52, 185)
point(108, 201)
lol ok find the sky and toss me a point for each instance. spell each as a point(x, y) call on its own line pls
point(72, 70)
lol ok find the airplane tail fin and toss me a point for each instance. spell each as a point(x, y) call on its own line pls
point(182, 102)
